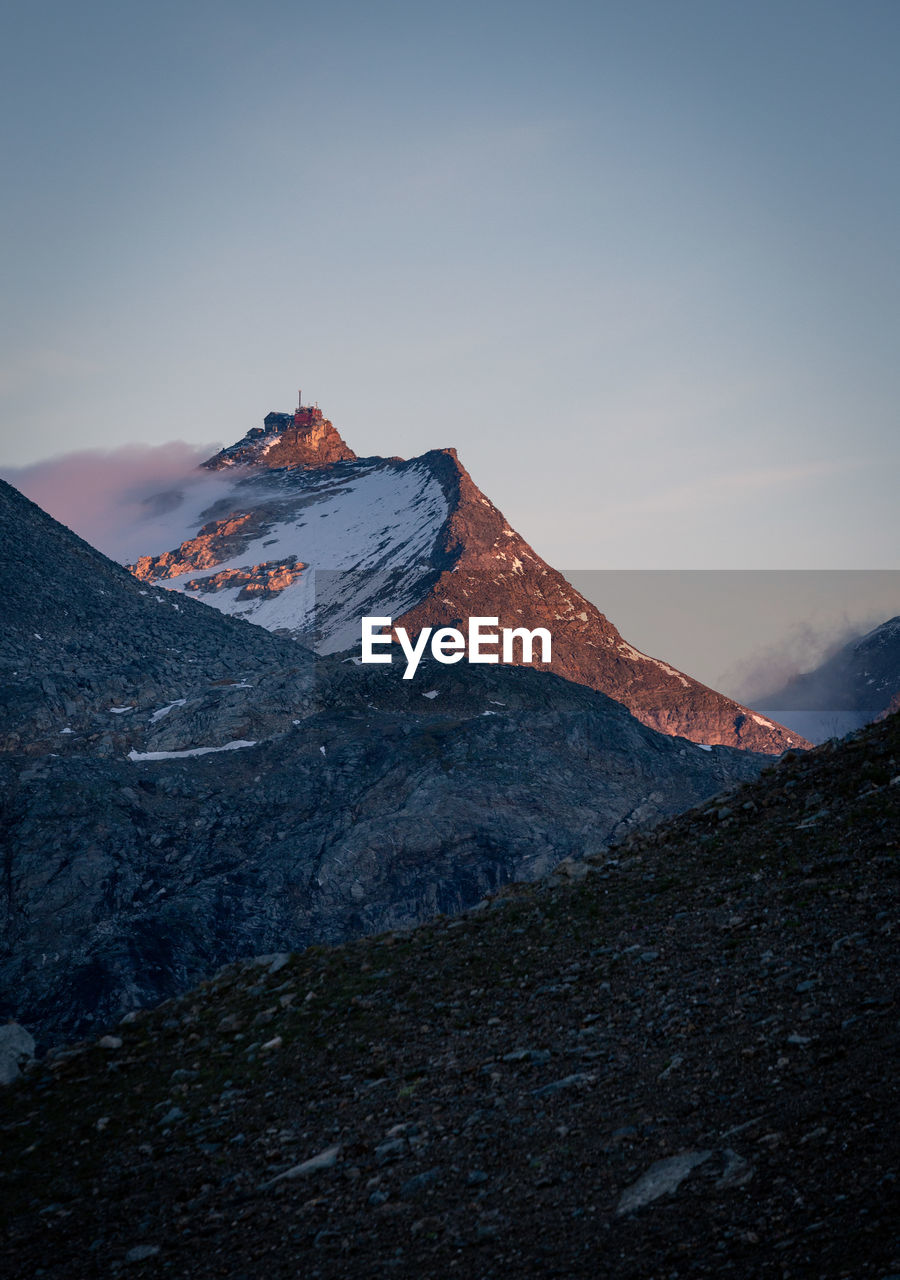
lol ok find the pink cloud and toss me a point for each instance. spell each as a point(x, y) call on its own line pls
point(125, 501)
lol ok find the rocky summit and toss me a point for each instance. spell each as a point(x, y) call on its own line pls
point(674, 1058)
point(308, 538)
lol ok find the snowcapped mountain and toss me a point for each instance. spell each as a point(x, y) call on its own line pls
point(307, 539)
point(858, 684)
point(307, 550)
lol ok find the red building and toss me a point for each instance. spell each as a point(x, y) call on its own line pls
point(304, 415)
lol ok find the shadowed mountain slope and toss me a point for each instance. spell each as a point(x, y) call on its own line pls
point(180, 787)
point(676, 1059)
point(88, 655)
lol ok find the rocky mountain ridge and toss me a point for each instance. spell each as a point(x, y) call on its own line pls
point(856, 685)
point(92, 662)
point(181, 787)
point(419, 542)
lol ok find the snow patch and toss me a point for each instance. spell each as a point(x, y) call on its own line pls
point(630, 652)
point(376, 550)
point(164, 711)
point(193, 751)
point(766, 724)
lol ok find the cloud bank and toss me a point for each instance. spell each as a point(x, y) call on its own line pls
point(132, 501)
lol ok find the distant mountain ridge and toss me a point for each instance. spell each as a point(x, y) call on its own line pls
point(310, 538)
point(858, 684)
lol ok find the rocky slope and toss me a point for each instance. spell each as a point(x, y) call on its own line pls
point(127, 878)
point(306, 544)
point(181, 787)
point(90, 659)
point(857, 684)
point(676, 1059)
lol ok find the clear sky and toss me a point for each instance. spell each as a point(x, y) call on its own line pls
point(637, 260)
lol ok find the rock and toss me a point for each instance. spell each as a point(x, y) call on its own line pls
point(736, 1171)
point(182, 1074)
point(326, 1159)
point(418, 1183)
point(273, 963)
point(393, 1149)
point(141, 1252)
point(16, 1048)
point(536, 1056)
point(569, 869)
point(110, 1042)
point(663, 1177)
point(568, 1082)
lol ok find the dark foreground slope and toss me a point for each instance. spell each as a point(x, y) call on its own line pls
point(680, 1064)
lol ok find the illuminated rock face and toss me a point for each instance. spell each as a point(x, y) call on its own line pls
point(303, 439)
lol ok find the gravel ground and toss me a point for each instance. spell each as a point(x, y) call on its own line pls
point(675, 1059)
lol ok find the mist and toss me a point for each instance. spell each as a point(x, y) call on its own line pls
point(760, 675)
point(132, 501)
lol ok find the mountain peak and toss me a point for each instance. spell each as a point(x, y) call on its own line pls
point(304, 438)
point(418, 541)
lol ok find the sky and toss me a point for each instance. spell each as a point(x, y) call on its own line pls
point(638, 262)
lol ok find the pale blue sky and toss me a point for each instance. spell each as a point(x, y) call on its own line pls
point(638, 261)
